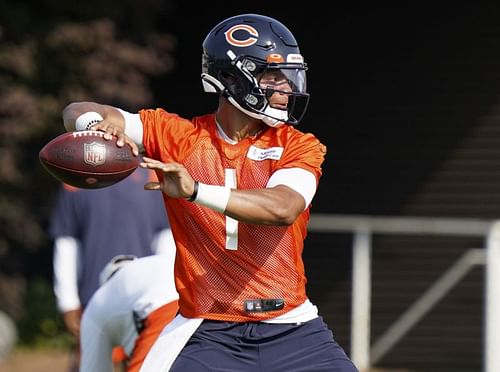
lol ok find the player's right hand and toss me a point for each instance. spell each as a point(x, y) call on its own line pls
point(110, 129)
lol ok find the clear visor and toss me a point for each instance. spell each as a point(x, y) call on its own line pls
point(289, 79)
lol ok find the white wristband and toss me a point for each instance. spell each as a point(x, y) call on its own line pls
point(133, 126)
point(87, 120)
point(213, 197)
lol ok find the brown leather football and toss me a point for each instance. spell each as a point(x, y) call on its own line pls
point(85, 159)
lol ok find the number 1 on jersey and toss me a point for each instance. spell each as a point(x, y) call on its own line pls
point(231, 223)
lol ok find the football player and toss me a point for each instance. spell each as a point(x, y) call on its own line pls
point(135, 301)
point(238, 186)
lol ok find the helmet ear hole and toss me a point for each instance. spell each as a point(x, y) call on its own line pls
point(232, 84)
point(227, 77)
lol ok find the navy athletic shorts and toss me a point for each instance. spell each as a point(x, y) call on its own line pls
point(240, 347)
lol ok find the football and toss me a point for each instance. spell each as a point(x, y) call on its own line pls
point(86, 160)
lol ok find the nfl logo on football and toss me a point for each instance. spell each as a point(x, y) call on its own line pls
point(94, 153)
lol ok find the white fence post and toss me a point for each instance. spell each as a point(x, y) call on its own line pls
point(364, 226)
point(361, 298)
point(492, 305)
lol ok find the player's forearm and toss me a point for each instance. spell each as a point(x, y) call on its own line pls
point(279, 206)
point(75, 110)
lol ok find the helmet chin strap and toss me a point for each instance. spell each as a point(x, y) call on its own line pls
point(275, 119)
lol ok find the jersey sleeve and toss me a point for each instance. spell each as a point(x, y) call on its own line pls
point(167, 136)
point(304, 151)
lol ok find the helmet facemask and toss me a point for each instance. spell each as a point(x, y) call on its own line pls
point(240, 84)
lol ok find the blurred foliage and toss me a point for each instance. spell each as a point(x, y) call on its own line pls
point(53, 52)
point(40, 326)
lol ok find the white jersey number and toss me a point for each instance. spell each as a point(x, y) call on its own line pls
point(231, 223)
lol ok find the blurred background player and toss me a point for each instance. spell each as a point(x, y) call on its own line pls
point(136, 300)
point(89, 227)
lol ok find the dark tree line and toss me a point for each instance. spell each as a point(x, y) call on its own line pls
point(52, 53)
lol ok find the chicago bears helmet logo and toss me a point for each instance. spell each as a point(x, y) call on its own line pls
point(250, 39)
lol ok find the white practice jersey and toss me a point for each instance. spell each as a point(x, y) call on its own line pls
point(141, 286)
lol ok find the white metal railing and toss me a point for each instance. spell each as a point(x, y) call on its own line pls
point(363, 227)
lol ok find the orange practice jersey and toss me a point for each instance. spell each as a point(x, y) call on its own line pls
point(221, 262)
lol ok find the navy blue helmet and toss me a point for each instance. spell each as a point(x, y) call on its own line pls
point(239, 50)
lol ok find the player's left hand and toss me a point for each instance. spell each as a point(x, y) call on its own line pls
point(72, 319)
point(176, 181)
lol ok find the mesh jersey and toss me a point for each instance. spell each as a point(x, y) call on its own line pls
point(213, 281)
